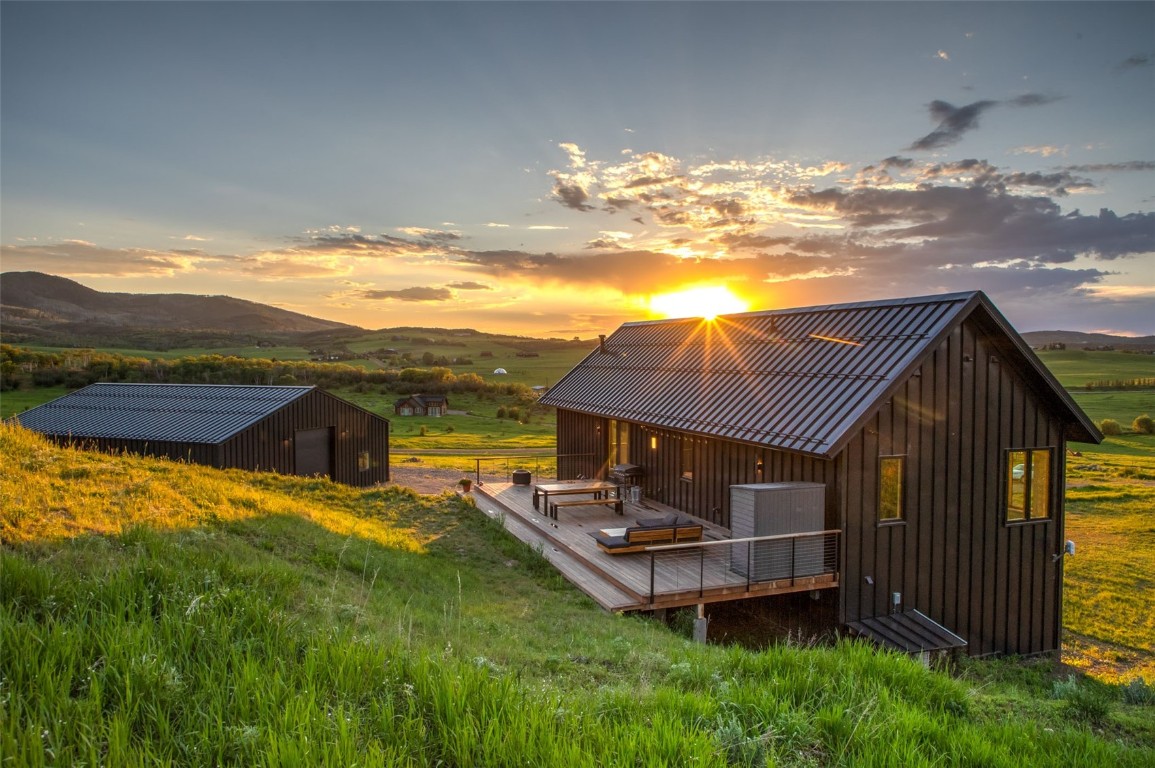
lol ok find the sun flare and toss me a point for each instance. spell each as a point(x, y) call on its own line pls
point(706, 302)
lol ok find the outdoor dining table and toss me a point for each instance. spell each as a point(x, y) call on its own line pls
point(567, 487)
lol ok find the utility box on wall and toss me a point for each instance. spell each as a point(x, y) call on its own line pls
point(771, 509)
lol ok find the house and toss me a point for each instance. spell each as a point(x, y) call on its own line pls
point(939, 437)
point(291, 430)
point(422, 405)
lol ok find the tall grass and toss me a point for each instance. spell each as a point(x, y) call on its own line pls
point(219, 618)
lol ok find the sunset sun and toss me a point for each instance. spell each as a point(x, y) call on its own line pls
point(706, 302)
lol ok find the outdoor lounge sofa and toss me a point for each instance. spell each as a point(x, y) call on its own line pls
point(670, 529)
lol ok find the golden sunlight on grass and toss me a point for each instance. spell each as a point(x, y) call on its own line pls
point(706, 302)
point(48, 492)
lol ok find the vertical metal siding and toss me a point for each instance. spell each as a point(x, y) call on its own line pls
point(955, 558)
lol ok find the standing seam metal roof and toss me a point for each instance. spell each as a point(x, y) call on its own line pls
point(185, 413)
point(797, 379)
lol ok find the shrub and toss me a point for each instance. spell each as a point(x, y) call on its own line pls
point(1144, 425)
point(1110, 427)
point(1081, 702)
point(501, 411)
point(1138, 692)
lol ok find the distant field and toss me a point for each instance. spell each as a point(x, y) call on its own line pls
point(1076, 367)
point(277, 353)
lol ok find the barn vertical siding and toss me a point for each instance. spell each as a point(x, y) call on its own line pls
point(955, 557)
point(268, 444)
point(583, 449)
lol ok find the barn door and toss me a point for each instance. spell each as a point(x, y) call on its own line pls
point(314, 451)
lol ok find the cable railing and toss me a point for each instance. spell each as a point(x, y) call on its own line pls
point(784, 561)
point(498, 468)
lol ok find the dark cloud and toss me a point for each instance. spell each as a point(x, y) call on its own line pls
point(417, 293)
point(1032, 100)
point(954, 121)
point(470, 286)
point(1135, 62)
point(1131, 165)
point(572, 195)
point(369, 245)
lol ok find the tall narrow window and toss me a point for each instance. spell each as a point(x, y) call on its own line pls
point(890, 496)
point(687, 459)
point(1028, 484)
point(619, 442)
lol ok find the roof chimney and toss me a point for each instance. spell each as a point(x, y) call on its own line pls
point(602, 343)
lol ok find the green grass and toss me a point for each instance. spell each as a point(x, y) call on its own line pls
point(1110, 582)
point(154, 613)
point(16, 401)
point(1076, 367)
point(249, 352)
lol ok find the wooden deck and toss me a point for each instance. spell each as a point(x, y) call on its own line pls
point(659, 578)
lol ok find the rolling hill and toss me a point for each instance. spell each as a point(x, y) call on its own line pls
point(45, 309)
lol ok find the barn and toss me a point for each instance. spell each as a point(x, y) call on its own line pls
point(937, 437)
point(290, 430)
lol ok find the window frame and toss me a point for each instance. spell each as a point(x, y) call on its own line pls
point(900, 517)
point(687, 460)
point(1030, 489)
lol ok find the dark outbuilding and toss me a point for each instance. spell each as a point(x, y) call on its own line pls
point(938, 435)
point(290, 430)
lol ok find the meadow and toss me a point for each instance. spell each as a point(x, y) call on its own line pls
point(156, 613)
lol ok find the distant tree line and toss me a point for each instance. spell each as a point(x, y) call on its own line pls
point(1136, 383)
point(26, 369)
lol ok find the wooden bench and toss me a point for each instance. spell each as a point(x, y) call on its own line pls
point(615, 503)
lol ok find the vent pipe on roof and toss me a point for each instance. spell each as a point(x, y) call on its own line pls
point(602, 343)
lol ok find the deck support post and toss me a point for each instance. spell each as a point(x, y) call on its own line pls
point(701, 624)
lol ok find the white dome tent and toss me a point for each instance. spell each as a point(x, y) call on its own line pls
point(499, 372)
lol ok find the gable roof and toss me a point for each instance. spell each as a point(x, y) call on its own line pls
point(802, 380)
point(187, 413)
point(423, 401)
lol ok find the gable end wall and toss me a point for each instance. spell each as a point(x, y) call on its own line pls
point(954, 558)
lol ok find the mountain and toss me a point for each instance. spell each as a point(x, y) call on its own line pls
point(40, 308)
point(1084, 340)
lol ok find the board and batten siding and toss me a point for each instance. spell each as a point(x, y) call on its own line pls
point(584, 446)
point(269, 444)
point(954, 556)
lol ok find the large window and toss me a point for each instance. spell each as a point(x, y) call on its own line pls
point(1028, 484)
point(890, 496)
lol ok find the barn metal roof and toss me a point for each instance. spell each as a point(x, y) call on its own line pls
point(910, 631)
point(185, 413)
point(801, 380)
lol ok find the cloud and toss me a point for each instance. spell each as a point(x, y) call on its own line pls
point(432, 235)
point(77, 258)
point(470, 286)
point(954, 121)
point(572, 195)
point(417, 293)
point(495, 225)
point(943, 55)
point(545, 227)
point(1131, 165)
point(1137, 61)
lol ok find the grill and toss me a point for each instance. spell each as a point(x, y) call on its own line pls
point(626, 474)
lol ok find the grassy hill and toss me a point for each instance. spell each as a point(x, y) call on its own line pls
point(153, 613)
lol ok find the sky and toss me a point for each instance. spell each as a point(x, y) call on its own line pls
point(558, 168)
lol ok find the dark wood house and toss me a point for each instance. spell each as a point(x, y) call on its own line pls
point(421, 405)
point(938, 435)
point(290, 430)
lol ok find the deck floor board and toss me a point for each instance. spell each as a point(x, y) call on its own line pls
point(623, 582)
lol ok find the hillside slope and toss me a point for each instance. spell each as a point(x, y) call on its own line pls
point(156, 613)
point(45, 306)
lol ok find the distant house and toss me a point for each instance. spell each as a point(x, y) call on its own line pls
point(938, 436)
point(421, 405)
point(290, 430)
